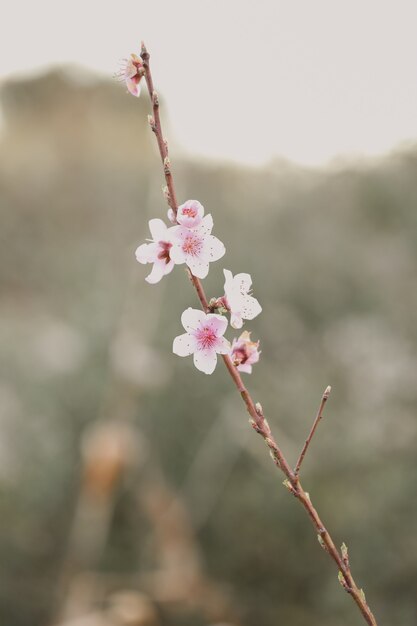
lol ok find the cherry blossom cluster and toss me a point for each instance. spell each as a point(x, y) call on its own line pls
point(189, 241)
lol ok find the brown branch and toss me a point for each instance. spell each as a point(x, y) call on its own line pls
point(319, 415)
point(258, 421)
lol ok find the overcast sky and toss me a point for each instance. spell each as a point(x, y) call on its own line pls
point(307, 80)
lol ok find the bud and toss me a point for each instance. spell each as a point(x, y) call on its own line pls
point(155, 99)
point(327, 392)
point(167, 165)
point(341, 579)
point(151, 122)
point(321, 542)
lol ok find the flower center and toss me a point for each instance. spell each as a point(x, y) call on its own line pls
point(240, 356)
point(192, 244)
point(189, 211)
point(206, 338)
point(163, 253)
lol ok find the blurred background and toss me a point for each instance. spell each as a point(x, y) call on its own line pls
point(132, 490)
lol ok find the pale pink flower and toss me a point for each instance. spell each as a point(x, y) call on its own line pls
point(157, 251)
point(244, 352)
point(197, 247)
point(238, 299)
point(204, 338)
point(131, 73)
point(190, 213)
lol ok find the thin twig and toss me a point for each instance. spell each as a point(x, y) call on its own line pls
point(258, 421)
point(319, 415)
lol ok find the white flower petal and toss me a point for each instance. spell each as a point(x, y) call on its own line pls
point(223, 346)
point(191, 319)
point(251, 308)
point(217, 322)
point(228, 279)
point(243, 282)
point(198, 267)
point(156, 274)
point(236, 320)
point(213, 249)
point(146, 253)
point(245, 367)
point(158, 229)
point(205, 360)
point(184, 345)
point(177, 254)
point(168, 267)
point(206, 225)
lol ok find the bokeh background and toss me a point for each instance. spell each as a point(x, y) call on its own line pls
point(132, 490)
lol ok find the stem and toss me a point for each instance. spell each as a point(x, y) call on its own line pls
point(319, 415)
point(258, 421)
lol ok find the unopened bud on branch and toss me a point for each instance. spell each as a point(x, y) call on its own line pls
point(167, 165)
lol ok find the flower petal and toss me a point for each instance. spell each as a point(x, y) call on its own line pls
point(236, 320)
point(223, 346)
point(133, 87)
point(158, 229)
point(177, 254)
point(146, 253)
point(198, 266)
point(217, 322)
point(245, 367)
point(205, 360)
point(168, 267)
point(206, 225)
point(243, 282)
point(157, 273)
point(228, 280)
point(213, 248)
point(251, 308)
point(184, 345)
point(191, 319)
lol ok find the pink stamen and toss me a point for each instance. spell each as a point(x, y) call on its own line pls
point(189, 211)
point(206, 337)
point(192, 245)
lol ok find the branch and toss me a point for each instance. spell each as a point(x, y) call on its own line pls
point(313, 430)
point(258, 421)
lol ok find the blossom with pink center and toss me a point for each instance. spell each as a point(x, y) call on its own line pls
point(131, 73)
point(204, 338)
point(197, 247)
point(238, 299)
point(190, 213)
point(158, 251)
point(244, 352)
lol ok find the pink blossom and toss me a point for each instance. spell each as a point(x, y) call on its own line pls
point(204, 338)
point(158, 251)
point(197, 247)
point(190, 213)
point(238, 299)
point(244, 352)
point(131, 73)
